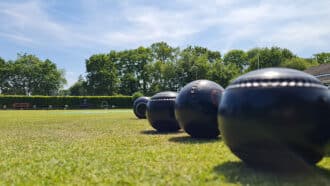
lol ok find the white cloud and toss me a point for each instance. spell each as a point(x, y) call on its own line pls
point(152, 24)
point(29, 19)
point(17, 37)
point(300, 36)
point(302, 25)
point(266, 21)
point(297, 26)
point(30, 22)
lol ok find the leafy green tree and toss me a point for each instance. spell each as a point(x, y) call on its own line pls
point(194, 63)
point(9, 85)
point(297, 63)
point(156, 77)
point(142, 57)
point(22, 75)
point(48, 80)
point(102, 75)
point(163, 67)
point(28, 75)
point(3, 73)
point(322, 58)
point(268, 57)
point(236, 57)
point(200, 68)
point(198, 51)
point(79, 88)
point(286, 53)
point(2, 62)
point(128, 84)
point(164, 76)
point(162, 70)
point(213, 56)
point(171, 79)
point(223, 74)
point(124, 62)
point(163, 52)
point(134, 62)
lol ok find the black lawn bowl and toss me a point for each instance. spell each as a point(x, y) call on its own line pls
point(140, 107)
point(276, 118)
point(196, 108)
point(160, 112)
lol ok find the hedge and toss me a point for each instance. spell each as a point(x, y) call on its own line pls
point(70, 102)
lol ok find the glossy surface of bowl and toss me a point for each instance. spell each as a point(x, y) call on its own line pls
point(140, 107)
point(276, 117)
point(160, 112)
point(196, 108)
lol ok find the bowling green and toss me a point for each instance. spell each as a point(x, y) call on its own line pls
point(112, 147)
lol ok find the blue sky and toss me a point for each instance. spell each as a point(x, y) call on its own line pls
point(68, 32)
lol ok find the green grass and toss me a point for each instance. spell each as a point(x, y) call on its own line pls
point(112, 147)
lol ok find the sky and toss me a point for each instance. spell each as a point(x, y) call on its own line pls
point(69, 31)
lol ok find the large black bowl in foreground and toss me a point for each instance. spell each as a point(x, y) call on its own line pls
point(160, 112)
point(196, 108)
point(276, 118)
point(140, 107)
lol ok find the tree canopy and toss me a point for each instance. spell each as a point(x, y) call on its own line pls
point(146, 70)
point(322, 58)
point(28, 75)
point(162, 67)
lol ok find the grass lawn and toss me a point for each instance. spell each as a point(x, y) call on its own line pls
point(112, 147)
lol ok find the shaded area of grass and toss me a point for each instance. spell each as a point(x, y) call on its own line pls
point(155, 132)
point(114, 148)
point(238, 172)
point(189, 140)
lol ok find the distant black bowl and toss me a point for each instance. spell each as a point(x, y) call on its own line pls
point(276, 118)
point(140, 107)
point(160, 112)
point(196, 108)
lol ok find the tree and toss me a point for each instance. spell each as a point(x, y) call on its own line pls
point(142, 57)
point(48, 80)
point(79, 88)
point(162, 71)
point(2, 62)
point(3, 73)
point(102, 76)
point(195, 62)
point(28, 75)
point(198, 51)
point(236, 57)
point(322, 58)
point(171, 78)
point(223, 74)
point(128, 84)
point(22, 74)
point(133, 62)
point(162, 67)
point(267, 57)
point(297, 63)
point(156, 77)
point(161, 51)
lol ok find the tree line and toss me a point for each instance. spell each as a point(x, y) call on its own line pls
point(162, 67)
point(146, 70)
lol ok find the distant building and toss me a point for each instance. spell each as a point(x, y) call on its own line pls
point(322, 72)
